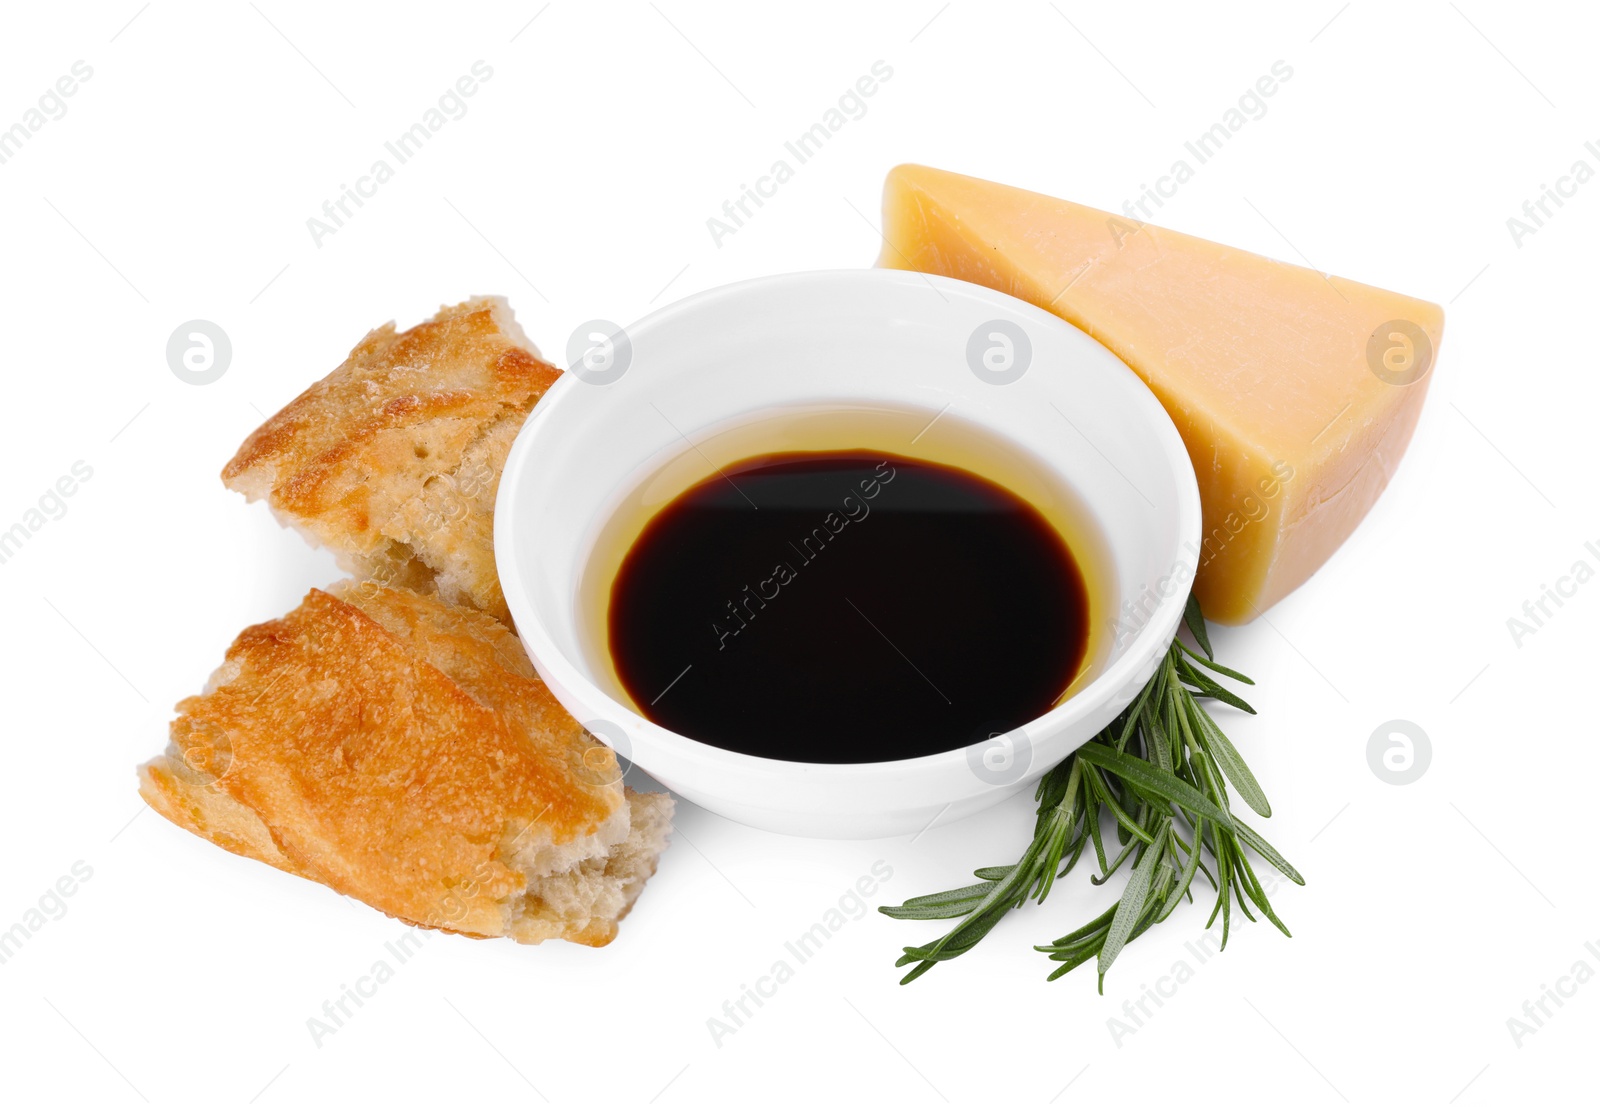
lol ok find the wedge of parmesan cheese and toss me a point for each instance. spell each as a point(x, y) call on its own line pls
point(1296, 393)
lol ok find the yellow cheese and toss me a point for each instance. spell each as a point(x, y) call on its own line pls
point(1295, 393)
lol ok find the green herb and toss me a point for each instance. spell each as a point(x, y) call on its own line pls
point(1159, 776)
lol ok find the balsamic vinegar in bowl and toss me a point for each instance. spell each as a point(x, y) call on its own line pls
point(850, 604)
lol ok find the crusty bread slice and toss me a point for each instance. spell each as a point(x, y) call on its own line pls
point(403, 752)
point(392, 460)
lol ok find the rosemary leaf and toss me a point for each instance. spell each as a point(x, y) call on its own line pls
point(1149, 780)
point(1196, 622)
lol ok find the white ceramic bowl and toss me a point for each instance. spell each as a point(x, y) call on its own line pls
point(869, 337)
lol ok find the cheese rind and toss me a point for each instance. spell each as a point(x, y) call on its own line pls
point(1295, 393)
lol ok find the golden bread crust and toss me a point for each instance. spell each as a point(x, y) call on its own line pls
point(403, 752)
point(182, 796)
point(393, 459)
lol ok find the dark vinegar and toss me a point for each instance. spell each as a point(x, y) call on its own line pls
point(847, 606)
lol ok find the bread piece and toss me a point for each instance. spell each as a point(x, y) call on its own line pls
point(403, 752)
point(392, 460)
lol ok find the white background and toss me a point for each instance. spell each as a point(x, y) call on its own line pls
point(177, 186)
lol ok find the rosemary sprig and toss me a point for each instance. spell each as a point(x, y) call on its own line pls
point(1158, 776)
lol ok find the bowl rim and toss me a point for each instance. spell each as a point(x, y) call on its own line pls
point(1149, 642)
